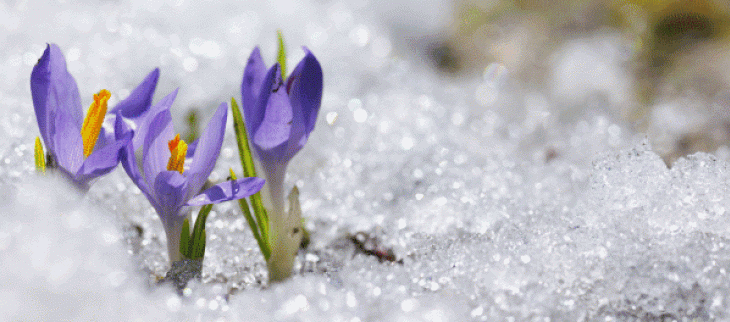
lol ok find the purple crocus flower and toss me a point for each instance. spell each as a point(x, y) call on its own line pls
point(164, 181)
point(80, 147)
point(280, 116)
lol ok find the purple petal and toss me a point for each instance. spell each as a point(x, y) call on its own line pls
point(142, 124)
point(228, 190)
point(53, 88)
point(128, 159)
point(297, 136)
point(121, 128)
point(207, 150)
point(155, 152)
point(253, 77)
point(69, 151)
point(277, 122)
point(103, 160)
point(192, 146)
point(137, 105)
point(271, 138)
point(140, 100)
point(170, 189)
point(105, 137)
point(305, 89)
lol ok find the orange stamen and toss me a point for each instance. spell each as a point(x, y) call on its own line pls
point(178, 149)
point(94, 118)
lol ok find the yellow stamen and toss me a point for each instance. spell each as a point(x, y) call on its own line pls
point(94, 119)
point(40, 157)
point(178, 149)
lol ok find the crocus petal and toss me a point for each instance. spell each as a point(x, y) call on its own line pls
point(121, 128)
point(271, 82)
point(276, 125)
point(170, 189)
point(136, 106)
point(305, 89)
point(53, 88)
point(155, 151)
point(253, 77)
point(228, 190)
point(140, 100)
point(207, 150)
point(273, 134)
point(128, 159)
point(192, 146)
point(103, 160)
point(298, 134)
point(69, 152)
point(106, 135)
point(142, 124)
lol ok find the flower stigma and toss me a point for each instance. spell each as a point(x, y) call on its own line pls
point(178, 149)
point(94, 119)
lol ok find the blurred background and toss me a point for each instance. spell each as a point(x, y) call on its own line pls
point(655, 66)
point(661, 66)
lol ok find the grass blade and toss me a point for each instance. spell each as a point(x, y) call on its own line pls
point(185, 239)
point(244, 152)
point(198, 236)
point(263, 244)
point(281, 55)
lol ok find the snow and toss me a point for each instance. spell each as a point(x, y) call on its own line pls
point(503, 203)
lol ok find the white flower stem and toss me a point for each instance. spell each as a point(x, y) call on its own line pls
point(284, 240)
point(173, 228)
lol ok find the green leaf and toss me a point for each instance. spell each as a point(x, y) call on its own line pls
point(306, 237)
point(185, 239)
point(198, 237)
point(244, 152)
point(281, 56)
point(255, 229)
point(200, 221)
point(199, 247)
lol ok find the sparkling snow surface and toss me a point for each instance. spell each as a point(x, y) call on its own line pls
point(503, 204)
